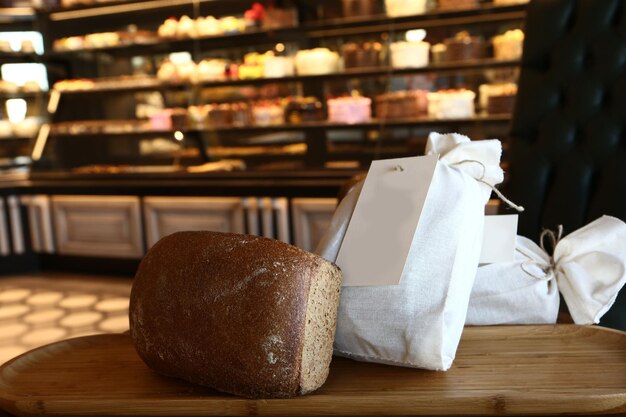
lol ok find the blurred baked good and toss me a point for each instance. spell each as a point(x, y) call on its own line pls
point(508, 45)
point(409, 54)
point(349, 110)
point(402, 104)
point(268, 113)
point(451, 104)
point(497, 98)
point(316, 61)
point(168, 28)
point(396, 8)
point(278, 66)
point(463, 46)
point(303, 109)
point(362, 54)
point(354, 8)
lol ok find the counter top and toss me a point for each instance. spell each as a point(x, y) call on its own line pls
point(499, 370)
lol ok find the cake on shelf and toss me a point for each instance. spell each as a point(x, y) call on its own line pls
point(451, 104)
point(211, 70)
point(405, 54)
point(402, 105)
point(497, 98)
point(316, 61)
point(359, 55)
point(354, 8)
point(268, 113)
point(508, 45)
point(349, 110)
point(303, 109)
point(463, 46)
point(279, 66)
point(396, 8)
point(207, 26)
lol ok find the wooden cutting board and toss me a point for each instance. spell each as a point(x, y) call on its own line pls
point(512, 370)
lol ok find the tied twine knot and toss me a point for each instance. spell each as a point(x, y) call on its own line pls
point(481, 179)
point(553, 238)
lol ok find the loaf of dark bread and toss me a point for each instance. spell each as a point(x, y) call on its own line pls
point(241, 314)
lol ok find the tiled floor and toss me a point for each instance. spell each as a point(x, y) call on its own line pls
point(39, 309)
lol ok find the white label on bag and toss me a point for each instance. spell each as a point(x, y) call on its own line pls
point(499, 237)
point(377, 242)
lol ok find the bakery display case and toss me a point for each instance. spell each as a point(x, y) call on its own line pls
point(23, 86)
point(203, 86)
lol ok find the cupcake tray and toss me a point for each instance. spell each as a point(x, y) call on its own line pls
point(501, 370)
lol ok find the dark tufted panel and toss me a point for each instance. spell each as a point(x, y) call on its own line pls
point(568, 137)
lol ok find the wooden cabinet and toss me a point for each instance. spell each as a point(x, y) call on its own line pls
point(167, 215)
point(102, 226)
point(311, 218)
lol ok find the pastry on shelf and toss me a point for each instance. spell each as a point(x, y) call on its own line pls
point(168, 28)
point(463, 47)
point(196, 117)
point(31, 87)
point(70, 43)
point(27, 46)
point(349, 110)
point(74, 85)
point(497, 98)
point(508, 45)
point(402, 105)
point(232, 25)
point(438, 53)
point(211, 70)
point(207, 26)
point(241, 114)
point(303, 109)
point(457, 4)
point(218, 115)
point(406, 54)
point(397, 8)
point(186, 28)
point(27, 128)
point(279, 66)
point(5, 46)
point(8, 87)
point(185, 71)
point(316, 61)
point(268, 113)
point(6, 129)
point(167, 72)
point(451, 104)
point(354, 8)
point(362, 55)
point(101, 40)
point(253, 65)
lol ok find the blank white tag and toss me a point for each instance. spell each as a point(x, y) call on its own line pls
point(499, 237)
point(377, 242)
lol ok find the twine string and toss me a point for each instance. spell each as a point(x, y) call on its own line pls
point(481, 179)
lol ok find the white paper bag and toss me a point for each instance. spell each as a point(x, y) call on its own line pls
point(588, 268)
point(419, 322)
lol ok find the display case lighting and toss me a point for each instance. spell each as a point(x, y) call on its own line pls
point(121, 8)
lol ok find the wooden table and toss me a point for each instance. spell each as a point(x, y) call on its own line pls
point(512, 370)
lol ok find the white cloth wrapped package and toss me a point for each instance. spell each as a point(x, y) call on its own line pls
point(588, 267)
point(419, 322)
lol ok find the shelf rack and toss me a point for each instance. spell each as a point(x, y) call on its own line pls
point(440, 68)
point(315, 135)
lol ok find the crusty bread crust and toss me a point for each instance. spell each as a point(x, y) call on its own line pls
point(228, 311)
